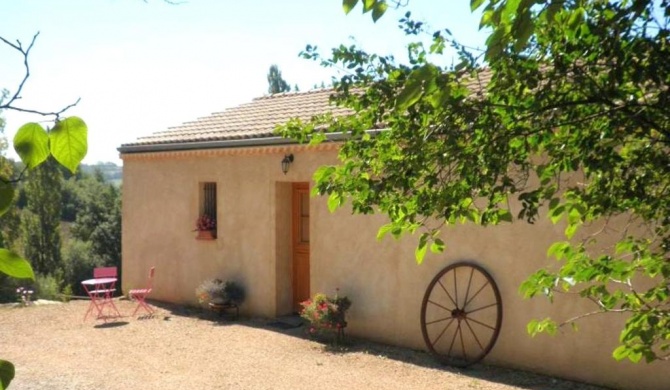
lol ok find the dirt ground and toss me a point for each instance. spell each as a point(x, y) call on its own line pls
point(177, 348)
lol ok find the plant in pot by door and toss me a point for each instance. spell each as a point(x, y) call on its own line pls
point(218, 294)
point(326, 314)
point(205, 225)
point(211, 290)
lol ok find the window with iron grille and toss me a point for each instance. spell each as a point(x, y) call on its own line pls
point(207, 217)
point(208, 204)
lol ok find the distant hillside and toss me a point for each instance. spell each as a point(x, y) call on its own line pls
point(110, 171)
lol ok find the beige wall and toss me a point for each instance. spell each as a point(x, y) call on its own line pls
point(386, 286)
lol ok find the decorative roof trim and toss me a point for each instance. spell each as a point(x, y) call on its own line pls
point(257, 150)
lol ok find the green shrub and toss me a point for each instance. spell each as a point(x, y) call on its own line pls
point(79, 263)
point(66, 293)
point(47, 287)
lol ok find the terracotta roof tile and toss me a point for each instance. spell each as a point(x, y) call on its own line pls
point(259, 118)
point(256, 119)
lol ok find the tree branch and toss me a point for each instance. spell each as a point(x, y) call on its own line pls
point(591, 313)
point(25, 52)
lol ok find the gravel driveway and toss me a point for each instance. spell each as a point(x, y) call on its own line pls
point(53, 348)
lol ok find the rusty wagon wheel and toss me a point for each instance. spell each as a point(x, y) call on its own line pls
point(461, 314)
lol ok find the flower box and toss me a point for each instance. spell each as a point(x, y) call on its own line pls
point(206, 227)
point(206, 235)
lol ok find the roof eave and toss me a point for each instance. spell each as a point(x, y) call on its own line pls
point(219, 144)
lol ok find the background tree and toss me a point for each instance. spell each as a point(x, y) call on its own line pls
point(98, 219)
point(567, 112)
point(9, 222)
point(276, 83)
point(40, 221)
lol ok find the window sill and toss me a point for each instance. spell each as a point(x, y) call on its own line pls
point(206, 235)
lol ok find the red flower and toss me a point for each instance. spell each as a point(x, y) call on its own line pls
point(205, 222)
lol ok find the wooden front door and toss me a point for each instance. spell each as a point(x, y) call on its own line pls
point(300, 222)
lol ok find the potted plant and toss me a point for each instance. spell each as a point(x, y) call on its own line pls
point(326, 314)
point(211, 290)
point(205, 225)
point(220, 296)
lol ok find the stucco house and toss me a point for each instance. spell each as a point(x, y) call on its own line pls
point(284, 245)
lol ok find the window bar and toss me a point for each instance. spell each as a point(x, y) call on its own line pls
point(210, 199)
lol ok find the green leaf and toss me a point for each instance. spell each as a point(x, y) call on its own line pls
point(624, 246)
point(524, 30)
point(323, 173)
point(504, 215)
point(15, 266)
point(409, 95)
point(556, 213)
point(546, 325)
point(571, 230)
point(69, 142)
point(413, 88)
point(620, 352)
point(368, 5)
point(6, 196)
point(495, 44)
point(532, 328)
point(474, 4)
point(348, 5)
point(558, 249)
point(420, 251)
point(634, 356)
point(384, 230)
point(437, 246)
point(334, 201)
point(379, 10)
point(6, 373)
point(31, 143)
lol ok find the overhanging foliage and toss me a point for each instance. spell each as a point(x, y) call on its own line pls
point(567, 112)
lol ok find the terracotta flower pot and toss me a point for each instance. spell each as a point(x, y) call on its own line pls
point(206, 235)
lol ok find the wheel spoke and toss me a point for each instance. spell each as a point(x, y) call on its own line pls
point(465, 356)
point(482, 308)
point(477, 293)
point(456, 289)
point(467, 292)
point(474, 334)
point(482, 324)
point(441, 333)
point(454, 339)
point(440, 320)
point(438, 305)
point(447, 292)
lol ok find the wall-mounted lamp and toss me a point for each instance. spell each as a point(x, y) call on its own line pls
point(286, 162)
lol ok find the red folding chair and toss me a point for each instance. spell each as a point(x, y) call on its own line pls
point(140, 294)
point(104, 272)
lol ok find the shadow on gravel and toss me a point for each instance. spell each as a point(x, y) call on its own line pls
point(115, 324)
point(290, 327)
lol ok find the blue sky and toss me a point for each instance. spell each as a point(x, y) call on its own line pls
point(140, 67)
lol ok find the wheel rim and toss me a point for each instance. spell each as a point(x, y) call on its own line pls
point(461, 314)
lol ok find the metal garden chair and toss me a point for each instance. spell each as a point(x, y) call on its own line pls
point(140, 294)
